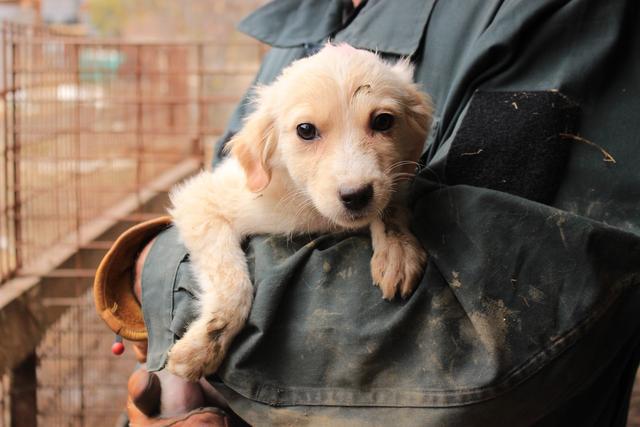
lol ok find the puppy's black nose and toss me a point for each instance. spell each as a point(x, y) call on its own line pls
point(355, 199)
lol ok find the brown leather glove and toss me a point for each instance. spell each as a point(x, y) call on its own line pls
point(113, 287)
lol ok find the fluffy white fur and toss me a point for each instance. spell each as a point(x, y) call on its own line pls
point(276, 182)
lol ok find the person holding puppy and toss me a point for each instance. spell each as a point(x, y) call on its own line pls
point(526, 202)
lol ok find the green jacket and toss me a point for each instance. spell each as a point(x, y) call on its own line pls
point(528, 203)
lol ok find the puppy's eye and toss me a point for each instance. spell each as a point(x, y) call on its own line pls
point(307, 131)
point(382, 122)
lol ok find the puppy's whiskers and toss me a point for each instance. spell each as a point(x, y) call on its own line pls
point(402, 176)
point(303, 209)
point(401, 163)
point(291, 197)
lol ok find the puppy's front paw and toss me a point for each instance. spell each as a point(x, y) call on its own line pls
point(397, 265)
point(200, 351)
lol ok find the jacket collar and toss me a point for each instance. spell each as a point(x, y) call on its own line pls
point(373, 29)
point(292, 23)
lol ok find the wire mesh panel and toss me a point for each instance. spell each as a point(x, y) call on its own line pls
point(94, 132)
point(88, 123)
point(78, 384)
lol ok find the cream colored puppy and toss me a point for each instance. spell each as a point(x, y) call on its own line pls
point(328, 147)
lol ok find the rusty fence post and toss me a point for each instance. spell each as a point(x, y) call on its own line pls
point(15, 158)
point(4, 228)
point(139, 150)
point(198, 149)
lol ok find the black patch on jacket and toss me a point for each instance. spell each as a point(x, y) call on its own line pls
point(511, 142)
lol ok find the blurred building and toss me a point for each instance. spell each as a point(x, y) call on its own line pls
point(22, 11)
point(61, 11)
point(187, 19)
point(64, 16)
point(140, 20)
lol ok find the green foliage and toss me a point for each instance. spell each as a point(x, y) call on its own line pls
point(108, 16)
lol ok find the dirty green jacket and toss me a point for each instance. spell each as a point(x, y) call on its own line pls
point(527, 200)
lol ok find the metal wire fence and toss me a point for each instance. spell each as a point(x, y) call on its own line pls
point(87, 123)
point(94, 132)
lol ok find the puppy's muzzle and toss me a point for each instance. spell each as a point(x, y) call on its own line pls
point(356, 199)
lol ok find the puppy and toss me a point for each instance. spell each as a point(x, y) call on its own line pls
point(327, 148)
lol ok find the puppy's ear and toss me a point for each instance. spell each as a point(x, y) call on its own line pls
point(420, 108)
point(419, 117)
point(254, 145)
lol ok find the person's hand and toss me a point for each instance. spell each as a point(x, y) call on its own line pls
point(180, 404)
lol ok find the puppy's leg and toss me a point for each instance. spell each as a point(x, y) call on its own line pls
point(225, 300)
point(398, 258)
point(221, 271)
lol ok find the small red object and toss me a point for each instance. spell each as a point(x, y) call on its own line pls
point(118, 346)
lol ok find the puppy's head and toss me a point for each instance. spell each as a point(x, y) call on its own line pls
point(343, 125)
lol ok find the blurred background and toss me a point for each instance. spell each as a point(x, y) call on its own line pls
point(105, 105)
